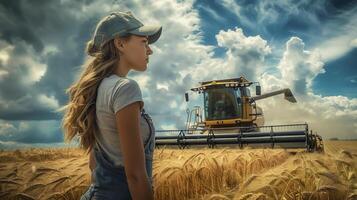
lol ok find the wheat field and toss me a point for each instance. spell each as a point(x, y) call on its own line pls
point(216, 174)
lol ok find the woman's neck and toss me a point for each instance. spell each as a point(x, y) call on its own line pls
point(122, 68)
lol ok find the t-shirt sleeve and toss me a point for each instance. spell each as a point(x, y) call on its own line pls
point(125, 93)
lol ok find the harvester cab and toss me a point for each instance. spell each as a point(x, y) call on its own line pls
point(227, 103)
point(232, 117)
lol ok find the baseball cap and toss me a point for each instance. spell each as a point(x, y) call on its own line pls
point(122, 24)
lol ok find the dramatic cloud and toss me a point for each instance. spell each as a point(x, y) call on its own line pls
point(340, 35)
point(53, 53)
point(331, 116)
point(42, 50)
point(299, 67)
point(31, 132)
point(245, 55)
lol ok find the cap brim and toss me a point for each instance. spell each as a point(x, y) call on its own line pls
point(153, 32)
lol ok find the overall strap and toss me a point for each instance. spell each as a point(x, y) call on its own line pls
point(151, 128)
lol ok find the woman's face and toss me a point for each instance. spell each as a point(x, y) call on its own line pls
point(136, 52)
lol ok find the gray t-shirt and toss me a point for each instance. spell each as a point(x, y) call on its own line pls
point(114, 93)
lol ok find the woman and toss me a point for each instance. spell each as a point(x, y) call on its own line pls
point(106, 110)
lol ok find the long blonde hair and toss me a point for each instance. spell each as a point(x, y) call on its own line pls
point(80, 113)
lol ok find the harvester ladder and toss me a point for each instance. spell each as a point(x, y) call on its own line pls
point(196, 111)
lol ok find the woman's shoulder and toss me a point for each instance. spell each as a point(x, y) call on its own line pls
point(125, 83)
point(119, 79)
point(118, 86)
point(116, 82)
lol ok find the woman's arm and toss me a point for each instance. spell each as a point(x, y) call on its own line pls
point(128, 125)
point(91, 163)
point(91, 160)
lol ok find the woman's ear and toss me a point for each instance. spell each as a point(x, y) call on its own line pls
point(119, 44)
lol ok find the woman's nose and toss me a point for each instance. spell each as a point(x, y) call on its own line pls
point(149, 51)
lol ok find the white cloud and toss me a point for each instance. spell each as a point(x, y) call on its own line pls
point(6, 128)
point(5, 51)
point(299, 67)
point(30, 65)
point(24, 126)
point(29, 106)
point(162, 86)
point(30, 131)
point(50, 102)
point(245, 54)
point(335, 47)
point(354, 43)
point(212, 13)
point(336, 35)
point(235, 39)
point(236, 9)
point(339, 35)
point(330, 116)
point(272, 11)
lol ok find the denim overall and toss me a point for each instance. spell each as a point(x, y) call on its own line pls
point(110, 181)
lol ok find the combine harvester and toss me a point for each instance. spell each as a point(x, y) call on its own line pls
point(232, 118)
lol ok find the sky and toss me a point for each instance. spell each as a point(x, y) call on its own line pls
point(309, 47)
